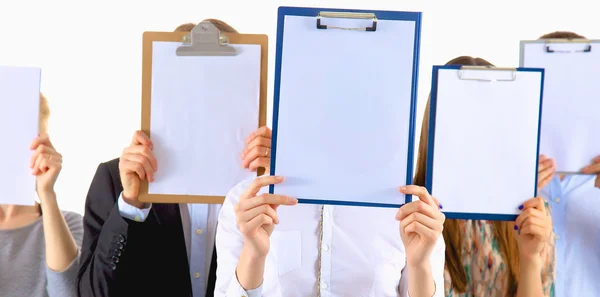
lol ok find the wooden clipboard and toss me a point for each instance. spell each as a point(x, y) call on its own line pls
point(147, 54)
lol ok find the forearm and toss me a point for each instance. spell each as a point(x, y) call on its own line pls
point(420, 281)
point(530, 280)
point(250, 270)
point(61, 249)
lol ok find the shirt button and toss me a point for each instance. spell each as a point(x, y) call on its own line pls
point(324, 286)
point(197, 275)
point(557, 237)
point(557, 200)
point(198, 231)
point(325, 248)
point(137, 219)
point(326, 215)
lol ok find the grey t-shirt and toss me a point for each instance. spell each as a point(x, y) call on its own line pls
point(23, 270)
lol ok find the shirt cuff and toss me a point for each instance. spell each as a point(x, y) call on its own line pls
point(131, 212)
point(235, 289)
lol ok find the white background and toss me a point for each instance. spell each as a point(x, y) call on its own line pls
point(90, 52)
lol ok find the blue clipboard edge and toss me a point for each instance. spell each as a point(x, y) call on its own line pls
point(382, 15)
point(431, 140)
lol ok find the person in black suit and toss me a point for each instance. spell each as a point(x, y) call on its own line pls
point(135, 249)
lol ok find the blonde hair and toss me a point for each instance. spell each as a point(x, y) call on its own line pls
point(221, 25)
point(44, 114)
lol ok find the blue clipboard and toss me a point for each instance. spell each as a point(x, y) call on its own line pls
point(431, 146)
point(381, 15)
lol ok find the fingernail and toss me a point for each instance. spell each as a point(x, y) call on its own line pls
point(294, 200)
point(520, 207)
point(441, 207)
point(516, 227)
point(280, 178)
point(402, 188)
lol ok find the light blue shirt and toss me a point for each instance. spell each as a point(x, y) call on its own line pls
point(199, 223)
point(575, 206)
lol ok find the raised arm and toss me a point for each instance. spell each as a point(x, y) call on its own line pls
point(62, 249)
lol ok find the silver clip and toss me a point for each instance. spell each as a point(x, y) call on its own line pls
point(205, 40)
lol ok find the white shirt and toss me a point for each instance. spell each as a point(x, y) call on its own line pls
point(199, 223)
point(361, 253)
point(575, 205)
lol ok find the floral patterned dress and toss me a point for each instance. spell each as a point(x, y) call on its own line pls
point(483, 263)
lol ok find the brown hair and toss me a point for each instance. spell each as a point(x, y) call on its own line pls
point(562, 35)
point(222, 26)
point(44, 114)
point(503, 232)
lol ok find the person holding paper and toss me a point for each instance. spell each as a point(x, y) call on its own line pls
point(136, 249)
point(495, 259)
point(268, 246)
point(39, 245)
point(575, 215)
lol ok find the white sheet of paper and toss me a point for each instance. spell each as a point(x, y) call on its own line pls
point(570, 118)
point(202, 110)
point(19, 117)
point(344, 110)
point(486, 138)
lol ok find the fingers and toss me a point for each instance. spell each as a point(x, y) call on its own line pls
point(529, 214)
point(248, 215)
point(143, 161)
point(422, 230)
point(263, 131)
point(40, 150)
point(258, 183)
point(592, 169)
point(534, 230)
point(263, 142)
point(255, 223)
point(537, 203)
point(265, 199)
point(140, 138)
point(259, 152)
point(426, 221)
point(418, 207)
point(420, 192)
point(260, 163)
point(142, 151)
point(132, 167)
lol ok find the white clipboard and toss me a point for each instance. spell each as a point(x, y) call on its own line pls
point(483, 140)
point(571, 99)
point(344, 105)
point(203, 93)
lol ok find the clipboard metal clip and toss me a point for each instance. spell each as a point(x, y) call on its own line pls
point(205, 40)
point(586, 49)
point(462, 76)
point(347, 15)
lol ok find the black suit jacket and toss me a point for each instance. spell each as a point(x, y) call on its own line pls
point(120, 257)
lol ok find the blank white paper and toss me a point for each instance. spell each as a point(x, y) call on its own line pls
point(202, 110)
point(570, 118)
point(344, 110)
point(19, 118)
point(485, 142)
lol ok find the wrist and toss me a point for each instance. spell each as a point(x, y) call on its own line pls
point(531, 262)
point(132, 201)
point(250, 269)
point(46, 195)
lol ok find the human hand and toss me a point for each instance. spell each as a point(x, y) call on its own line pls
point(258, 148)
point(46, 164)
point(533, 228)
point(136, 163)
point(594, 168)
point(546, 169)
point(257, 215)
point(421, 224)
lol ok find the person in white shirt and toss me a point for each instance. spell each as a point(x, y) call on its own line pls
point(575, 216)
point(270, 246)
